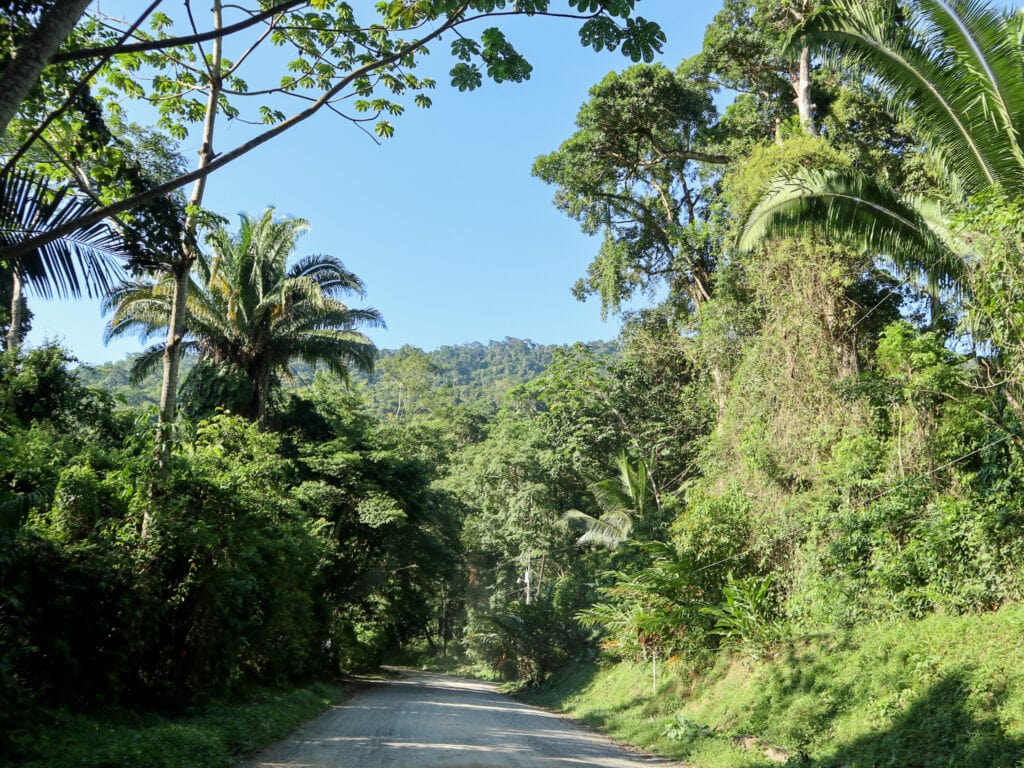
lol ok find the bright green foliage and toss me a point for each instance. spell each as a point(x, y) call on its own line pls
point(620, 499)
point(745, 49)
point(932, 693)
point(214, 735)
point(744, 619)
point(270, 556)
point(652, 612)
point(632, 173)
point(524, 570)
point(991, 225)
point(252, 311)
point(397, 550)
point(651, 402)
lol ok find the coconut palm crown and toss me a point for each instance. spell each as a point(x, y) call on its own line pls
point(955, 70)
point(249, 309)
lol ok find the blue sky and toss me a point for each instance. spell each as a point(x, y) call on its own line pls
point(455, 240)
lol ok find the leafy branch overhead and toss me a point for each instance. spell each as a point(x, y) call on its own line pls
point(362, 69)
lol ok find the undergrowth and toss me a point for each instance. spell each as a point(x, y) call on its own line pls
point(216, 735)
point(938, 692)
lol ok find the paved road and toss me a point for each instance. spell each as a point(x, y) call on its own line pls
point(427, 720)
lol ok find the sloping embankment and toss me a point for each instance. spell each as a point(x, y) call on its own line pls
point(938, 692)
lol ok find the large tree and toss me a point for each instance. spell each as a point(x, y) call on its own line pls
point(248, 309)
point(632, 174)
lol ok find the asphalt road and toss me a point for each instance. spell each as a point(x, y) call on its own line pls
point(427, 720)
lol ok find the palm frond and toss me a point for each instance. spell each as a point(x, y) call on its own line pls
point(609, 530)
point(248, 309)
point(953, 78)
point(86, 259)
point(147, 362)
point(984, 41)
point(851, 207)
point(329, 273)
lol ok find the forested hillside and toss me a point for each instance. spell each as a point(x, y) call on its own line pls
point(780, 519)
point(403, 380)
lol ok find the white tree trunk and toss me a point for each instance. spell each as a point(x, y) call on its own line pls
point(804, 107)
point(17, 296)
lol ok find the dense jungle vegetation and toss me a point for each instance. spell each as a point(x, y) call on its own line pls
point(808, 441)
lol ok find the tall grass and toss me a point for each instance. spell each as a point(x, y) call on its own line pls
point(939, 692)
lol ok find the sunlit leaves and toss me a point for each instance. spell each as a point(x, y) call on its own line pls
point(330, 45)
point(270, 116)
point(503, 61)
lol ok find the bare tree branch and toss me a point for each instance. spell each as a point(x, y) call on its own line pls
point(173, 42)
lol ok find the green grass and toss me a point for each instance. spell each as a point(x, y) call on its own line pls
point(940, 692)
point(216, 735)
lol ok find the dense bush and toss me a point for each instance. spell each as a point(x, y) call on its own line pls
point(268, 557)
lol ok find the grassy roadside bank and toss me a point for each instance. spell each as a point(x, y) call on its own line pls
point(939, 692)
point(215, 735)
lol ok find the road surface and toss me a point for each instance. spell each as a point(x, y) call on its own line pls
point(424, 719)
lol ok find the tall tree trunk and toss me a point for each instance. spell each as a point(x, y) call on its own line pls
point(17, 303)
point(189, 250)
point(261, 396)
point(804, 107)
point(176, 327)
point(23, 69)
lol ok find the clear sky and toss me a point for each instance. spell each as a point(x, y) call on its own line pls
point(455, 240)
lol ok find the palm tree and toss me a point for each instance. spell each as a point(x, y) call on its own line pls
point(620, 499)
point(248, 309)
point(83, 260)
point(955, 69)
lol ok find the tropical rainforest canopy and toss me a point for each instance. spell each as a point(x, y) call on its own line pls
point(812, 418)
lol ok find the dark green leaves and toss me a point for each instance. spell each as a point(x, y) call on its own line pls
point(466, 77)
point(600, 33)
point(640, 39)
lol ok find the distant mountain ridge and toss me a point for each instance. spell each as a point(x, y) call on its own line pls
point(404, 380)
